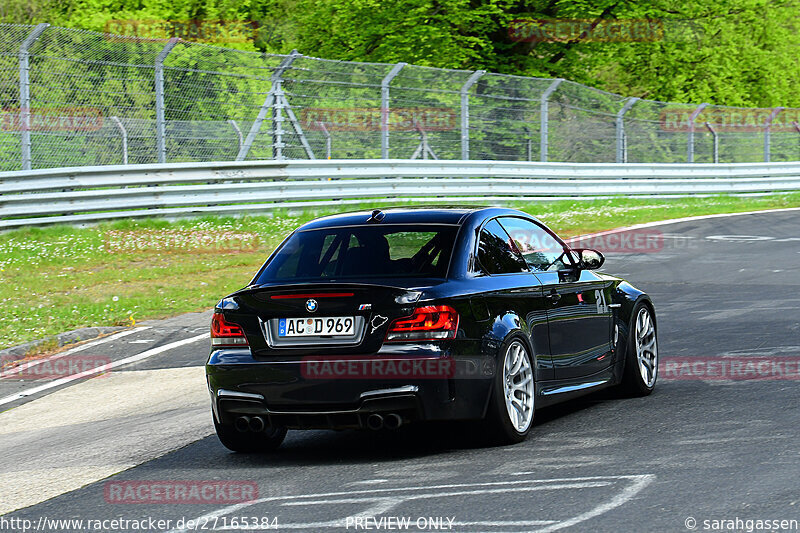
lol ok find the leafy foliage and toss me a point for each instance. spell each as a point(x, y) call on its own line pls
point(731, 52)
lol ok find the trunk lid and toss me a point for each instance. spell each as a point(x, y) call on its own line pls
point(265, 314)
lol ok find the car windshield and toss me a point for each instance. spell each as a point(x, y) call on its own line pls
point(359, 252)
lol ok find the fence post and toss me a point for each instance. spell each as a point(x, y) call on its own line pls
point(25, 94)
point(690, 140)
point(124, 133)
point(276, 78)
point(161, 126)
point(423, 148)
point(385, 108)
point(327, 135)
point(624, 147)
point(621, 129)
point(465, 111)
point(543, 118)
point(528, 142)
point(716, 141)
point(796, 126)
point(767, 127)
point(238, 132)
point(277, 116)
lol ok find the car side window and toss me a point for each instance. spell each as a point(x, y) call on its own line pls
point(542, 251)
point(496, 253)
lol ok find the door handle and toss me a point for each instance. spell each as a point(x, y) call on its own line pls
point(554, 297)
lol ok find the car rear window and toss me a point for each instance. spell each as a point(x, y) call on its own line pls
point(358, 252)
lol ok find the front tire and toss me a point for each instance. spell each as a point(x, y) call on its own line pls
point(249, 442)
point(641, 354)
point(512, 405)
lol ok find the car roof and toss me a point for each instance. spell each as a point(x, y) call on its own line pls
point(396, 215)
point(413, 215)
point(456, 215)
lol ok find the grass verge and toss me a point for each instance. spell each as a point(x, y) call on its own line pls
point(60, 278)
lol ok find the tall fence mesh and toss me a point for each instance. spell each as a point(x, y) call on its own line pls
point(75, 98)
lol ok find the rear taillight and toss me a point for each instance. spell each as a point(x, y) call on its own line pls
point(433, 322)
point(226, 333)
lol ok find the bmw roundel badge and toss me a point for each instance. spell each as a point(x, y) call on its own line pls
point(311, 305)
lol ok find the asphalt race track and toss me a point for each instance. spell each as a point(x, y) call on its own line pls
point(696, 451)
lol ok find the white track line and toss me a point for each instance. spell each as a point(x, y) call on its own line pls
point(103, 368)
point(35, 362)
point(399, 495)
point(640, 482)
point(677, 221)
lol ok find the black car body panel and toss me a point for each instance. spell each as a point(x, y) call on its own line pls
point(574, 322)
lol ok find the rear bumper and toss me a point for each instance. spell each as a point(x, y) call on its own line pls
point(403, 401)
point(341, 392)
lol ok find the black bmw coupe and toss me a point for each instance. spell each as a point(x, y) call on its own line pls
point(384, 318)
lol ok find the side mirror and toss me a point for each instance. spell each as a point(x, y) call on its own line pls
point(590, 259)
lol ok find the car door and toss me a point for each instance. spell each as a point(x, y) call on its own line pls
point(578, 315)
point(513, 294)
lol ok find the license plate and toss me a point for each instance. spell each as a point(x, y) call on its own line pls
point(340, 326)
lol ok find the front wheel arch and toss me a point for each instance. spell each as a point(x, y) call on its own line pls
point(632, 381)
point(625, 321)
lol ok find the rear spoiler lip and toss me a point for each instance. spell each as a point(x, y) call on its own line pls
point(341, 285)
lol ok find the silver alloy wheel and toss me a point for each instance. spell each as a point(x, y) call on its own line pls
point(646, 347)
point(518, 386)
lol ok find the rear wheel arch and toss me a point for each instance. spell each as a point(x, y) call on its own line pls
point(499, 426)
point(497, 354)
point(525, 337)
point(520, 330)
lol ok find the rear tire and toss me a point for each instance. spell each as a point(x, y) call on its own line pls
point(512, 405)
point(641, 353)
point(249, 442)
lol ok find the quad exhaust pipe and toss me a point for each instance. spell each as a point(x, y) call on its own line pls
point(242, 424)
point(256, 424)
point(376, 421)
point(392, 421)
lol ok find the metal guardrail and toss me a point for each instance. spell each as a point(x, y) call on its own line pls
point(72, 97)
point(88, 194)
